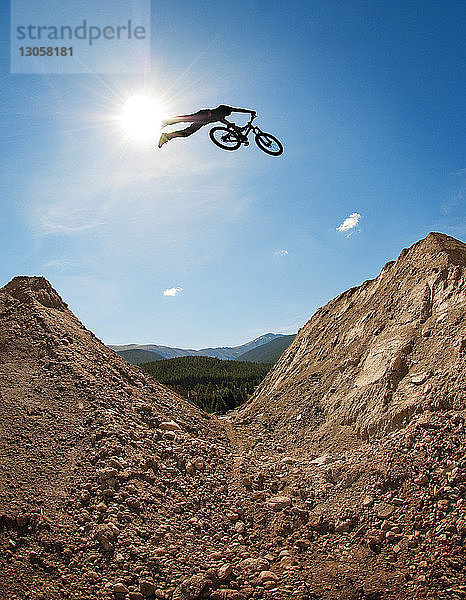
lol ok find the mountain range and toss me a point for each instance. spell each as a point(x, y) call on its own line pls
point(139, 356)
point(270, 352)
point(138, 353)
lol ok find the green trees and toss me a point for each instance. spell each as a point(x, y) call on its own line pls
point(212, 384)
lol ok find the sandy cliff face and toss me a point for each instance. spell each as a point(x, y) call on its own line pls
point(378, 353)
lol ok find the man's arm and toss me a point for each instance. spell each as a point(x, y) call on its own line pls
point(244, 110)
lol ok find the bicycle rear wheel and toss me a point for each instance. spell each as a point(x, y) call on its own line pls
point(224, 138)
point(269, 144)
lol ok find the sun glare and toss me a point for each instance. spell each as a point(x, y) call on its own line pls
point(141, 117)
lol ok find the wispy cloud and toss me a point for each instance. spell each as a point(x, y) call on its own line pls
point(172, 291)
point(458, 194)
point(281, 252)
point(350, 222)
point(160, 198)
point(63, 264)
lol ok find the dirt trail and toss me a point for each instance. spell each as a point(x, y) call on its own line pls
point(239, 446)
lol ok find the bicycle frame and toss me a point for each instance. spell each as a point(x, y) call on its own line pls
point(245, 130)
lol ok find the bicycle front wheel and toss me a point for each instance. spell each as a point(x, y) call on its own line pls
point(224, 138)
point(269, 143)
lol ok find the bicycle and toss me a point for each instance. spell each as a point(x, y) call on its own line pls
point(232, 137)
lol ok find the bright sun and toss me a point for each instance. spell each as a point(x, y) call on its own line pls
point(141, 117)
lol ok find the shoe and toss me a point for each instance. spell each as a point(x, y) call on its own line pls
point(164, 138)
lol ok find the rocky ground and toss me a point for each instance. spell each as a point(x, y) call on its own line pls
point(384, 519)
point(113, 487)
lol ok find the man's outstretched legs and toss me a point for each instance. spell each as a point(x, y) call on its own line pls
point(198, 117)
point(165, 137)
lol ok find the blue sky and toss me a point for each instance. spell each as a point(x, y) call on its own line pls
point(368, 99)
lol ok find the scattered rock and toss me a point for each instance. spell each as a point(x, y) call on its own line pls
point(224, 571)
point(240, 527)
point(147, 588)
point(170, 426)
point(278, 503)
point(419, 379)
point(268, 576)
point(254, 565)
point(120, 589)
point(325, 459)
point(384, 510)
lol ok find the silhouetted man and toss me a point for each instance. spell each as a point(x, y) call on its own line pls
point(198, 120)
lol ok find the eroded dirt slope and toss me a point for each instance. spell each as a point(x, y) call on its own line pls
point(100, 465)
point(378, 353)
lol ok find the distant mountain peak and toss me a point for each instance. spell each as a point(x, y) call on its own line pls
point(223, 352)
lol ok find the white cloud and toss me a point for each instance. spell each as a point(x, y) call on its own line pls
point(350, 222)
point(281, 252)
point(172, 291)
point(64, 264)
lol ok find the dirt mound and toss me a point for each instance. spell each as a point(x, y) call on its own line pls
point(377, 354)
point(361, 425)
point(106, 477)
